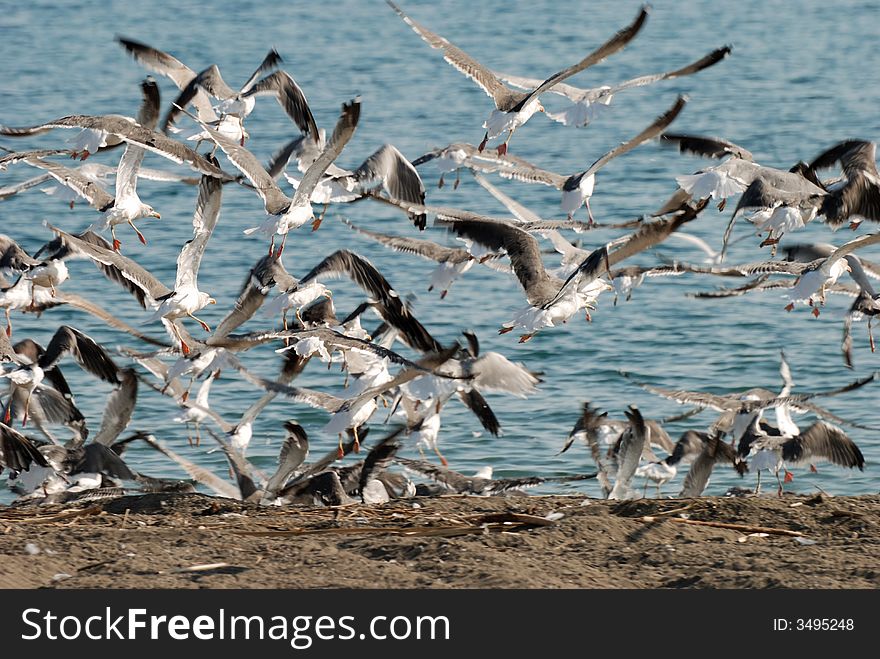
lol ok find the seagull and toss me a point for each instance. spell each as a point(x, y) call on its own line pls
point(551, 299)
point(267, 273)
point(47, 273)
point(17, 452)
point(473, 373)
point(867, 303)
point(713, 450)
point(807, 252)
point(96, 172)
point(119, 408)
point(689, 445)
point(344, 263)
point(740, 410)
point(781, 203)
point(632, 443)
point(821, 441)
point(124, 208)
point(26, 380)
point(197, 413)
point(353, 412)
point(452, 262)
point(780, 200)
point(294, 452)
point(587, 104)
point(235, 106)
point(458, 155)
point(170, 304)
point(387, 167)
point(578, 187)
point(169, 66)
point(92, 140)
point(130, 132)
point(514, 108)
point(287, 213)
point(814, 277)
point(857, 195)
point(546, 307)
point(456, 482)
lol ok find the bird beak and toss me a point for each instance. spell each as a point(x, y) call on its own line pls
point(212, 300)
point(156, 215)
point(540, 108)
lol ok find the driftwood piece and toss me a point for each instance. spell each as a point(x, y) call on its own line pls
point(745, 528)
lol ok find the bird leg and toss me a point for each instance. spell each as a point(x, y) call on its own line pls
point(27, 404)
point(139, 234)
point(116, 243)
point(183, 347)
point(272, 245)
point(7, 414)
point(8, 323)
point(526, 337)
point(813, 469)
point(870, 331)
point(505, 330)
point(758, 484)
point(317, 221)
point(443, 294)
point(280, 249)
point(589, 211)
point(457, 179)
point(443, 460)
point(483, 143)
point(441, 182)
point(779, 490)
point(721, 205)
point(198, 435)
point(789, 477)
point(285, 326)
point(340, 453)
point(357, 442)
point(772, 241)
point(200, 322)
point(789, 306)
point(502, 148)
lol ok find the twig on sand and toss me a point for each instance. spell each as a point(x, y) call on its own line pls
point(745, 528)
point(57, 517)
point(472, 524)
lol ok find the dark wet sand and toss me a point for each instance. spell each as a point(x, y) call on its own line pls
point(447, 542)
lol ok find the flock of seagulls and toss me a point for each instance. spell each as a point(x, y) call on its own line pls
point(396, 373)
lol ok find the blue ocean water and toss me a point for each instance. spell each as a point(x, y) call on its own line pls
point(801, 77)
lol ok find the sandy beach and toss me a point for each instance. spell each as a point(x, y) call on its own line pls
point(195, 541)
